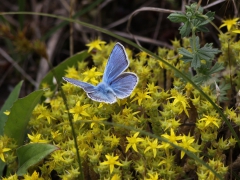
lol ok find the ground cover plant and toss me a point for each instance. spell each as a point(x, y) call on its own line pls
point(180, 122)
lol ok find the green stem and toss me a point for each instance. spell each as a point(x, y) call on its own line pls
point(194, 39)
point(70, 118)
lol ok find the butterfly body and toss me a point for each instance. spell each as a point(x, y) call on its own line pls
point(104, 88)
point(115, 84)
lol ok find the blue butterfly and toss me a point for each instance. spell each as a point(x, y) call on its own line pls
point(115, 84)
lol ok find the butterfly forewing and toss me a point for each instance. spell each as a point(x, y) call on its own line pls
point(85, 86)
point(117, 63)
point(124, 84)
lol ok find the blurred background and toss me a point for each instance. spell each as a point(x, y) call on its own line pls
point(27, 41)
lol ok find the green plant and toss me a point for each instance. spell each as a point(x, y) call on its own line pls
point(155, 133)
point(194, 22)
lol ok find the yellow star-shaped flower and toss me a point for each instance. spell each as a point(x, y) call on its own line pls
point(132, 142)
point(2, 150)
point(111, 161)
point(229, 23)
point(95, 44)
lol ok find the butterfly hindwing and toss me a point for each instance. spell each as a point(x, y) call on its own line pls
point(124, 84)
point(101, 97)
point(117, 63)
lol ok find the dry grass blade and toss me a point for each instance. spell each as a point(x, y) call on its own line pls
point(144, 39)
point(51, 46)
point(213, 4)
point(161, 10)
point(24, 74)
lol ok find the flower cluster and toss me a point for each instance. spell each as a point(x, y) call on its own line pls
point(169, 108)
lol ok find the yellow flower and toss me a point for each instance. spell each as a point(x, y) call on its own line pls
point(46, 114)
point(172, 138)
point(34, 176)
point(36, 138)
point(153, 176)
point(132, 141)
point(95, 44)
point(164, 145)
point(167, 161)
point(236, 31)
point(142, 55)
point(196, 101)
point(128, 111)
point(98, 148)
point(170, 123)
point(55, 134)
point(181, 102)
point(44, 85)
point(112, 139)
point(100, 105)
point(176, 43)
point(143, 72)
point(12, 177)
point(72, 173)
point(71, 72)
point(58, 157)
point(186, 144)
point(229, 23)
point(116, 177)
point(91, 75)
point(152, 88)
point(111, 161)
point(2, 150)
point(154, 146)
point(98, 121)
point(7, 112)
point(141, 96)
point(79, 110)
point(210, 120)
point(231, 114)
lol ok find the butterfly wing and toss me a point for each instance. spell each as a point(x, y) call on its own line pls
point(93, 92)
point(102, 97)
point(117, 63)
point(124, 84)
point(88, 88)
